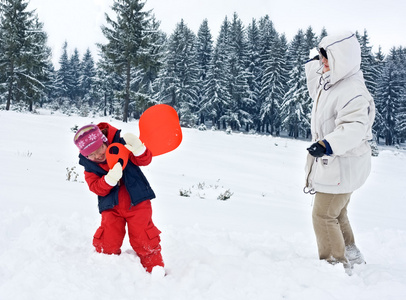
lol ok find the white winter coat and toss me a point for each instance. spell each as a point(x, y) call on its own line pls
point(343, 113)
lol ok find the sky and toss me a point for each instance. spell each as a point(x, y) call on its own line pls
point(78, 21)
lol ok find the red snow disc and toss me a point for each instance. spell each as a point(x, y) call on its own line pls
point(160, 129)
point(117, 152)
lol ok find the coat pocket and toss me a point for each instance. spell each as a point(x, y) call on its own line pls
point(327, 171)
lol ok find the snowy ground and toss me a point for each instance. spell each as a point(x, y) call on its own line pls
point(259, 244)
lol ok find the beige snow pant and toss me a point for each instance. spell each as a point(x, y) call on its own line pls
point(331, 225)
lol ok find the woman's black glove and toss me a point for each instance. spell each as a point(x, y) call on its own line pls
point(317, 150)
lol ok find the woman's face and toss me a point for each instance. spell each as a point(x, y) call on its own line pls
point(98, 155)
point(325, 63)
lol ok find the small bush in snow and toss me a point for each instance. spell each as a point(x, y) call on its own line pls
point(225, 196)
point(207, 191)
point(71, 174)
point(74, 129)
point(202, 127)
point(185, 193)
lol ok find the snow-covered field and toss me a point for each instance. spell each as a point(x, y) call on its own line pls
point(259, 244)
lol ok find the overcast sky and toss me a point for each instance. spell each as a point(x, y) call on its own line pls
point(78, 21)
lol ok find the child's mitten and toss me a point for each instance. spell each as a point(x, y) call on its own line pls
point(134, 144)
point(114, 175)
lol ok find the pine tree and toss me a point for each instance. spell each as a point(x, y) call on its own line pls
point(388, 98)
point(401, 115)
point(75, 74)
point(216, 95)
point(254, 70)
point(204, 54)
point(221, 103)
point(369, 65)
point(151, 63)
point(266, 110)
point(63, 78)
point(178, 83)
point(127, 37)
point(274, 85)
point(237, 114)
point(310, 39)
point(323, 34)
point(87, 79)
point(297, 102)
point(24, 55)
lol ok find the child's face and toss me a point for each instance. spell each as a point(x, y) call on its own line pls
point(98, 155)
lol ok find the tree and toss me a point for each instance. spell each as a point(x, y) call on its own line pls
point(237, 113)
point(87, 79)
point(178, 83)
point(296, 107)
point(127, 38)
point(369, 65)
point(388, 98)
point(75, 74)
point(274, 85)
point(204, 54)
point(24, 56)
point(254, 70)
point(63, 79)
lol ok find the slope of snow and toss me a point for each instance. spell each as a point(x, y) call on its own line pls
point(258, 244)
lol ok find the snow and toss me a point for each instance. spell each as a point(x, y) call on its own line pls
point(258, 244)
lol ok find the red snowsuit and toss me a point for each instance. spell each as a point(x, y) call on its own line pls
point(143, 234)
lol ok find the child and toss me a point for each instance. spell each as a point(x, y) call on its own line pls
point(124, 195)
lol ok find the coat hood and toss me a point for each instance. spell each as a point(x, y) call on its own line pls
point(344, 55)
point(108, 130)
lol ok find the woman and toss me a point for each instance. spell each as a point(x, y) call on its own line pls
point(339, 160)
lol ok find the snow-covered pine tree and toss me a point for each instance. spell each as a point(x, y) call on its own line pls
point(127, 39)
point(274, 85)
point(76, 72)
point(204, 54)
point(369, 65)
point(38, 66)
point(401, 124)
point(296, 105)
point(87, 81)
point(323, 34)
point(178, 83)
point(310, 39)
point(147, 72)
point(23, 54)
point(237, 115)
point(216, 95)
point(63, 79)
point(388, 98)
point(254, 70)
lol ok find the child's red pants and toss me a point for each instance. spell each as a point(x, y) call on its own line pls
point(143, 234)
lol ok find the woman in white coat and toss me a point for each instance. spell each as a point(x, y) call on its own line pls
point(339, 160)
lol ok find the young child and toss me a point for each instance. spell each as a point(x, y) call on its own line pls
point(123, 195)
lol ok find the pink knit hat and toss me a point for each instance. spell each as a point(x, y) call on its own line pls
point(88, 139)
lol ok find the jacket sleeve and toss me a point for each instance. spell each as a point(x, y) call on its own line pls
point(312, 77)
point(143, 159)
point(351, 126)
point(97, 184)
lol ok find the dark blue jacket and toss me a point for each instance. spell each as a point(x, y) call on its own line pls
point(134, 180)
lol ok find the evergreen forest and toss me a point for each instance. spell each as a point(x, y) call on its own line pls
point(250, 79)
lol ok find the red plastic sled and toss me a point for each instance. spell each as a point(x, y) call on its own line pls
point(117, 152)
point(160, 129)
